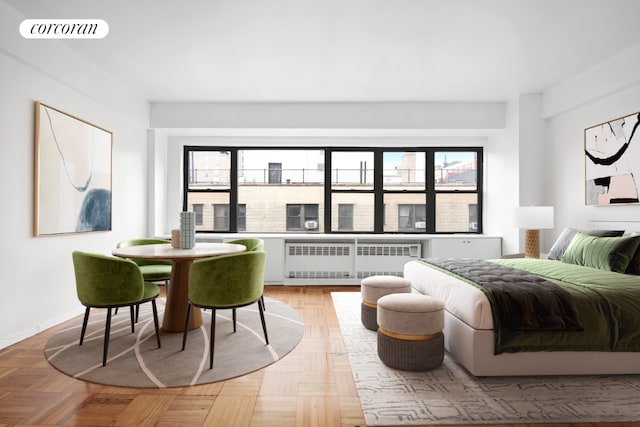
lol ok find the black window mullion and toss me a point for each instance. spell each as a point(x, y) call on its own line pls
point(327, 191)
point(430, 185)
point(186, 161)
point(479, 186)
point(378, 185)
point(233, 192)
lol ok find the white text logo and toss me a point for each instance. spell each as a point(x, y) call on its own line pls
point(64, 28)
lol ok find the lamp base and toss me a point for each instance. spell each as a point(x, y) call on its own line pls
point(532, 244)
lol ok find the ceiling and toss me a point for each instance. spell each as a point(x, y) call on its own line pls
point(347, 50)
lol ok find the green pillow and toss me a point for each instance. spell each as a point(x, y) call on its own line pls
point(604, 253)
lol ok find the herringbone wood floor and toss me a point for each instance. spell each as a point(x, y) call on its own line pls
point(312, 386)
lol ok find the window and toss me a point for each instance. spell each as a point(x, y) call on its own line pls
point(352, 183)
point(197, 209)
point(302, 217)
point(221, 217)
point(242, 217)
point(456, 177)
point(335, 189)
point(268, 180)
point(412, 217)
point(405, 191)
point(275, 173)
point(345, 216)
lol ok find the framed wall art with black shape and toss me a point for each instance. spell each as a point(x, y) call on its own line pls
point(72, 174)
point(612, 161)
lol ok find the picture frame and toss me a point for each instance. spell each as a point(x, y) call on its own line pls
point(72, 174)
point(612, 161)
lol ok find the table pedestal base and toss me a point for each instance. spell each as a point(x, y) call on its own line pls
point(175, 311)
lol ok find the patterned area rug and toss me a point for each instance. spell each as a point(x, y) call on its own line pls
point(450, 395)
point(135, 361)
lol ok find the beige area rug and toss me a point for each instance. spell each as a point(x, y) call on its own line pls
point(450, 395)
point(135, 361)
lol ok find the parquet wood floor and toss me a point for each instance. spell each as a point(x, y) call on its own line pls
point(310, 387)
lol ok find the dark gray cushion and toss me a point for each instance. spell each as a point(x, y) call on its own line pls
point(563, 240)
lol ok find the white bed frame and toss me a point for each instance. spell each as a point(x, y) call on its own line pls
point(474, 348)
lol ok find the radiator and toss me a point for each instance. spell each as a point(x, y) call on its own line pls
point(316, 260)
point(347, 261)
point(380, 259)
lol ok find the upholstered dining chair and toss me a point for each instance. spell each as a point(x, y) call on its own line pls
point(252, 244)
point(226, 282)
point(109, 282)
point(152, 271)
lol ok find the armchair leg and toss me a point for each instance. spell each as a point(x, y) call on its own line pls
point(155, 321)
point(186, 327)
point(107, 331)
point(264, 324)
point(132, 321)
point(234, 320)
point(84, 324)
point(212, 339)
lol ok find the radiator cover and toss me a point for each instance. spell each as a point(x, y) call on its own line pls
point(347, 260)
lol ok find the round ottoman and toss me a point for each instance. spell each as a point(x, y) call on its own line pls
point(374, 287)
point(410, 331)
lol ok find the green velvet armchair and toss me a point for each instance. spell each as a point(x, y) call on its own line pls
point(109, 282)
point(226, 282)
point(152, 270)
point(252, 245)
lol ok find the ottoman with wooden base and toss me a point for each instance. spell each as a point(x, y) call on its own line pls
point(374, 287)
point(410, 334)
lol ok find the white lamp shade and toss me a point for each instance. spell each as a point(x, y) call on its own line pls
point(534, 217)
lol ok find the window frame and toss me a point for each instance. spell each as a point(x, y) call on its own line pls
point(430, 192)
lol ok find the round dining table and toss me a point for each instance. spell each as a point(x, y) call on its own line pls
point(175, 311)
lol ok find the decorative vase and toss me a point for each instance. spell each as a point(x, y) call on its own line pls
point(187, 230)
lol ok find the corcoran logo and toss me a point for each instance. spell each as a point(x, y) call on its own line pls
point(64, 28)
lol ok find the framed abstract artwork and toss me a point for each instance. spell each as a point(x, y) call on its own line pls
point(72, 175)
point(612, 161)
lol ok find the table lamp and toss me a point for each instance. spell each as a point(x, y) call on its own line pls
point(532, 219)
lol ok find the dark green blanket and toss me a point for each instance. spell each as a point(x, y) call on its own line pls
point(607, 303)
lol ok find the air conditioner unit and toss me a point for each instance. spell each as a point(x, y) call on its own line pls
point(311, 225)
point(421, 224)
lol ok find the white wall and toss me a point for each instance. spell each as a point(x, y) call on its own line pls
point(38, 286)
point(608, 91)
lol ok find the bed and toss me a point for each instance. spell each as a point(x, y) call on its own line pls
point(603, 337)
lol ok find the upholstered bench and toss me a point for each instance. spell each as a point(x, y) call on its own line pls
point(410, 331)
point(374, 287)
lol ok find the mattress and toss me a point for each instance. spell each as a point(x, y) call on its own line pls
point(462, 300)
